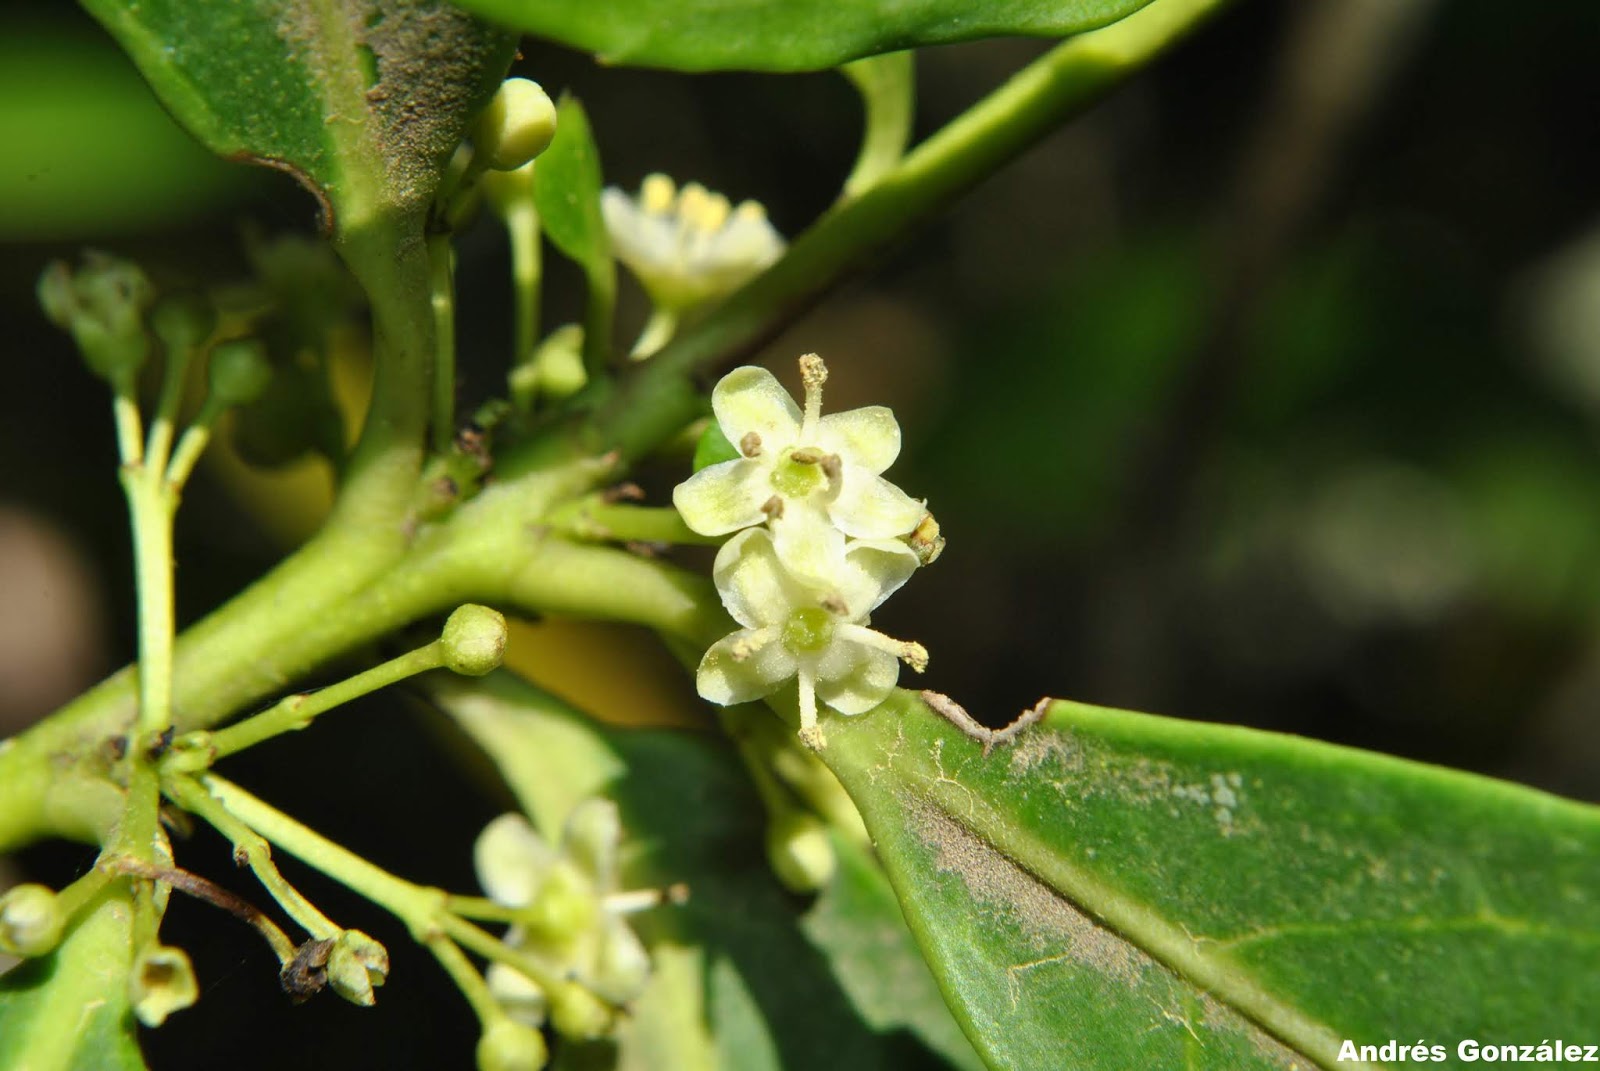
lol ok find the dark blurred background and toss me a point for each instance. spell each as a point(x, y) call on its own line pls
point(1266, 392)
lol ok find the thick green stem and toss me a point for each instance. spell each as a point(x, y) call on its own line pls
point(441, 274)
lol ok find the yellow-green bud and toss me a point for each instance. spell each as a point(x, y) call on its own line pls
point(800, 852)
point(511, 1046)
point(31, 921)
point(162, 982)
point(103, 305)
point(357, 964)
point(183, 320)
point(239, 371)
point(474, 640)
point(516, 125)
point(578, 1014)
point(554, 370)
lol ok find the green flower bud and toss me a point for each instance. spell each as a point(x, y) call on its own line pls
point(474, 640)
point(357, 964)
point(31, 921)
point(511, 1046)
point(239, 371)
point(102, 305)
point(578, 1014)
point(162, 982)
point(183, 321)
point(516, 125)
point(800, 852)
point(554, 370)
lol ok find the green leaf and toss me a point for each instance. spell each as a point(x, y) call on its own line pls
point(566, 191)
point(743, 969)
point(1119, 890)
point(786, 35)
point(70, 1010)
point(363, 101)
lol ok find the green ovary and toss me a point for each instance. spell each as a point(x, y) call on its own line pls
point(808, 631)
point(797, 479)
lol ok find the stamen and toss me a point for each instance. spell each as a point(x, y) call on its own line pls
point(637, 900)
point(745, 646)
point(773, 507)
point(656, 194)
point(750, 444)
point(912, 654)
point(833, 469)
point(835, 605)
point(805, 456)
point(813, 374)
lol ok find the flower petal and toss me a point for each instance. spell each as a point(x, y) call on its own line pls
point(511, 859)
point(873, 570)
point(751, 399)
point(724, 497)
point(853, 679)
point(868, 437)
point(755, 587)
point(724, 679)
point(808, 545)
point(622, 966)
point(870, 507)
point(518, 994)
point(590, 840)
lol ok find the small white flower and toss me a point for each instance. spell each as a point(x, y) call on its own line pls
point(573, 912)
point(817, 478)
point(817, 635)
point(688, 246)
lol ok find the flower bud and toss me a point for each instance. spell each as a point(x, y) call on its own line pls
point(800, 852)
point(554, 370)
point(578, 1014)
point(519, 996)
point(239, 371)
point(474, 640)
point(356, 964)
point(511, 1046)
point(31, 921)
point(103, 306)
point(516, 125)
point(162, 982)
point(183, 321)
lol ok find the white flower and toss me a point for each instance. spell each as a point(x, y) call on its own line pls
point(574, 915)
point(688, 247)
point(817, 635)
point(817, 478)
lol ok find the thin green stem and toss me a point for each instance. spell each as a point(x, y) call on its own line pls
point(441, 277)
point(466, 978)
point(193, 443)
point(658, 331)
point(296, 712)
point(490, 947)
point(527, 269)
point(601, 276)
point(481, 908)
point(888, 89)
point(174, 372)
point(130, 431)
point(249, 847)
point(593, 518)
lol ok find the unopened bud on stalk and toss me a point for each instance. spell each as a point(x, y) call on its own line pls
point(239, 371)
point(31, 921)
point(356, 965)
point(474, 640)
point(162, 982)
point(578, 1014)
point(183, 320)
point(507, 1045)
point(516, 125)
point(800, 852)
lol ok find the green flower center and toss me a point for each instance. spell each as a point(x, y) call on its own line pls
point(808, 631)
point(798, 479)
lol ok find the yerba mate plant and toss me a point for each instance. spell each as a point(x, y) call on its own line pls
point(829, 869)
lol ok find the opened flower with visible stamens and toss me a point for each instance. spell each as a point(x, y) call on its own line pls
point(817, 478)
point(571, 910)
point(817, 635)
point(690, 246)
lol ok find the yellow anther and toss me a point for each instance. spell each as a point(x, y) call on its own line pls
point(751, 211)
point(657, 193)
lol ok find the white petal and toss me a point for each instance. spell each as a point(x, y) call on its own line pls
point(590, 840)
point(518, 994)
point(751, 399)
point(511, 859)
point(725, 680)
point(755, 587)
point(868, 437)
point(873, 570)
point(724, 497)
point(808, 545)
point(622, 966)
point(853, 679)
point(870, 507)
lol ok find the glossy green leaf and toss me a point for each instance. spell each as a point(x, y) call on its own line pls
point(744, 970)
point(566, 190)
point(786, 35)
point(69, 1010)
point(1119, 890)
point(364, 101)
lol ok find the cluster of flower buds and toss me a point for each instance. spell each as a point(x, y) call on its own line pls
point(823, 539)
point(571, 913)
